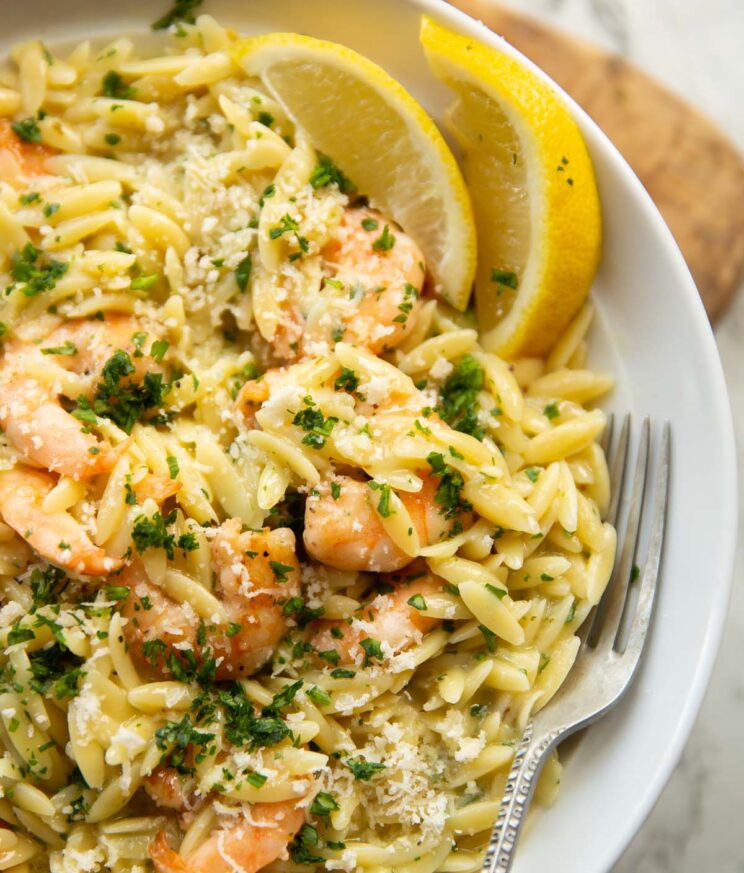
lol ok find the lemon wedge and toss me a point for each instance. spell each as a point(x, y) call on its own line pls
point(533, 188)
point(381, 138)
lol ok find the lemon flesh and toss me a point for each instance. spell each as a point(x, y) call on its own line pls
point(381, 138)
point(533, 188)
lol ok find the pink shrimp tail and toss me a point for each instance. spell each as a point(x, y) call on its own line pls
point(165, 859)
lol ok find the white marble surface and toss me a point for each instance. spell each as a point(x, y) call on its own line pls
point(695, 47)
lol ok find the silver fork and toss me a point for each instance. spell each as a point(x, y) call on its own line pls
point(613, 636)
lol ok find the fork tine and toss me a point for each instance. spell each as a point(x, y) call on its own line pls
point(611, 605)
point(617, 460)
point(606, 440)
point(617, 470)
point(647, 593)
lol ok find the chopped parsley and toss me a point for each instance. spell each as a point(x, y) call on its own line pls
point(36, 274)
point(153, 533)
point(138, 339)
point(372, 649)
point(489, 636)
point(18, 634)
point(458, 396)
point(183, 10)
point(67, 349)
point(330, 655)
point(383, 505)
point(28, 199)
point(363, 770)
point(172, 466)
point(144, 283)
point(532, 473)
point(282, 699)
point(175, 737)
point(112, 139)
point(504, 277)
point(317, 427)
point(265, 118)
point(243, 727)
point(287, 224)
point(343, 673)
point(49, 209)
point(112, 85)
point(46, 586)
point(304, 847)
point(27, 129)
point(117, 592)
point(410, 295)
point(318, 696)
point(296, 608)
point(269, 191)
point(131, 495)
point(158, 350)
point(385, 241)
point(417, 602)
point(323, 804)
point(53, 626)
point(449, 491)
point(120, 399)
point(55, 670)
point(370, 224)
point(348, 381)
point(257, 780)
point(327, 173)
point(551, 411)
point(243, 272)
point(498, 593)
point(280, 571)
point(335, 490)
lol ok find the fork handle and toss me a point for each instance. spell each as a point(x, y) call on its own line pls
point(520, 786)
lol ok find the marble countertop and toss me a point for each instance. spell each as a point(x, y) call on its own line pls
point(694, 47)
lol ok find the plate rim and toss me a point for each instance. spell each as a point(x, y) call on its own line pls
point(700, 679)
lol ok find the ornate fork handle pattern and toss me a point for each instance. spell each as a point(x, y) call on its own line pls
point(526, 766)
point(611, 649)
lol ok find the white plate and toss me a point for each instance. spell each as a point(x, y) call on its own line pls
point(653, 335)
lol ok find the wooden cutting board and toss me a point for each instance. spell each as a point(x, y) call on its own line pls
point(693, 172)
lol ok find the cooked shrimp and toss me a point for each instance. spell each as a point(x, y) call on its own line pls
point(248, 843)
point(345, 531)
point(152, 615)
point(374, 274)
point(32, 383)
point(56, 536)
point(169, 788)
point(18, 157)
point(389, 618)
point(256, 572)
point(382, 270)
point(256, 392)
point(157, 488)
